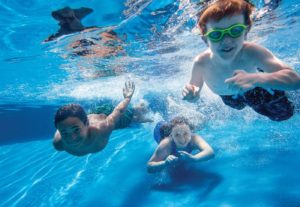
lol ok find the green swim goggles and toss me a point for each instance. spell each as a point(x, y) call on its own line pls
point(234, 31)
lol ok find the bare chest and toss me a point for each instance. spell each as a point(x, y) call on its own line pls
point(216, 75)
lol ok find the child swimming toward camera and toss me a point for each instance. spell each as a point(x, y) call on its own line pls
point(242, 73)
point(176, 144)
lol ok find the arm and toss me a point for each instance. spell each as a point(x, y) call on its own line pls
point(278, 75)
point(128, 91)
point(206, 152)
point(285, 79)
point(161, 157)
point(192, 90)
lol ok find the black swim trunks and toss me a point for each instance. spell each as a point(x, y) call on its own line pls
point(275, 106)
point(107, 109)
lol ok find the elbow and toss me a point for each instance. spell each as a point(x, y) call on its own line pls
point(294, 80)
point(297, 80)
point(210, 153)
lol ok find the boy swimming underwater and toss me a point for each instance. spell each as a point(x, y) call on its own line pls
point(242, 73)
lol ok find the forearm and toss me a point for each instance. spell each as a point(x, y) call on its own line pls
point(154, 167)
point(204, 155)
point(122, 106)
point(118, 111)
point(285, 79)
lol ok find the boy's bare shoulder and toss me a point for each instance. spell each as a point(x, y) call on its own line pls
point(97, 120)
point(98, 125)
point(202, 57)
point(255, 50)
point(57, 143)
point(202, 60)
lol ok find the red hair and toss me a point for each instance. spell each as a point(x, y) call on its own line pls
point(224, 8)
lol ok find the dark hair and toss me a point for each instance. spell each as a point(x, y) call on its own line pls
point(70, 110)
point(216, 10)
point(166, 128)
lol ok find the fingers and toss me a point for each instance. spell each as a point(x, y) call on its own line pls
point(230, 80)
point(130, 84)
point(190, 91)
point(171, 159)
point(237, 72)
point(185, 92)
point(128, 90)
point(183, 154)
point(196, 90)
point(233, 78)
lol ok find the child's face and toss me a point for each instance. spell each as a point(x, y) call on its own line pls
point(181, 134)
point(72, 130)
point(228, 47)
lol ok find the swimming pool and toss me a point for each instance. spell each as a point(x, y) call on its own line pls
point(257, 160)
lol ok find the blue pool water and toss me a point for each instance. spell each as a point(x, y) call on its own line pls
point(257, 160)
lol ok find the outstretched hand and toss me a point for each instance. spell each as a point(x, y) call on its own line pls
point(185, 156)
point(242, 81)
point(190, 92)
point(171, 159)
point(128, 90)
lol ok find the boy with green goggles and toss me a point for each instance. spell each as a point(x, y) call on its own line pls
point(233, 31)
point(242, 73)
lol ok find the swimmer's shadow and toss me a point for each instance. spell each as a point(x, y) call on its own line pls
point(190, 179)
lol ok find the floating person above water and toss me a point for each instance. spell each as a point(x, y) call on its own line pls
point(107, 44)
point(242, 73)
point(69, 21)
point(80, 134)
point(175, 145)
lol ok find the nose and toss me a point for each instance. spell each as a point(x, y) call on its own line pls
point(227, 40)
point(74, 136)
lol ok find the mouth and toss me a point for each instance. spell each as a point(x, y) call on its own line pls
point(227, 49)
point(182, 144)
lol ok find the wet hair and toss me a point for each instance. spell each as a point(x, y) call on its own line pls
point(70, 110)
point(166, 128)
point(224, 8)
